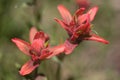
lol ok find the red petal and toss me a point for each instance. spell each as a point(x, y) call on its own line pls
point(92, 13)
point(65, 14)
point(85, 28)
point(69, 47)
point(39, 39)
point(62, 24)
point(44, 54)
point(56, 50)
point(22, 45)
point(82, 19)
point(32, 33)
point(37, 45)
point(79, 11)
point(41, 35)
point(77, 15)
point(95, 37)
point(28, 67)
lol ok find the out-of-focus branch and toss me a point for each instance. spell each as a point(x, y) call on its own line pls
point(37, 10)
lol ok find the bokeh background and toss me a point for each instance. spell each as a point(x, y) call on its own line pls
point(89, 61)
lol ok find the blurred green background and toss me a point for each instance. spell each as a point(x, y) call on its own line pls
point(89, 61)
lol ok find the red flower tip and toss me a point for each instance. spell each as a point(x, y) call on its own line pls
point(97, 38)
point(83, 3)
point(14, 40)
point(106, 42)
point(79, 12)
point(41, 35)
point(93, 12)
point(32, 33)
point(65, 14)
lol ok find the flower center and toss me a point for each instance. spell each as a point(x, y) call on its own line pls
point(34, 56)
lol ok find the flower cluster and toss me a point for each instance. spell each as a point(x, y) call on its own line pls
point(78, 28)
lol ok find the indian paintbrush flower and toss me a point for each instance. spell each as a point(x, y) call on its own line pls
point(78, 26)
point(38, 50)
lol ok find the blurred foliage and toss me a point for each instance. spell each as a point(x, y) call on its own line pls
point(90, 61)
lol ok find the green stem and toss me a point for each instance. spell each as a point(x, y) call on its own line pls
point(58, 72)
point(36, 72)
point(59, 68)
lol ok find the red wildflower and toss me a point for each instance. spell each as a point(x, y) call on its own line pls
point(79, 26)
point(83, 3)
point(38, 50)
